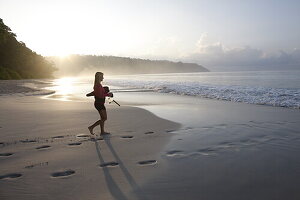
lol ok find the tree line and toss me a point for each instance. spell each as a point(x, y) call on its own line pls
point(18, 61)
point(76, 64)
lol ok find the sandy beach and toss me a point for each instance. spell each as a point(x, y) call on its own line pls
point(200, 100)
point(163, 147)
point(47, 152)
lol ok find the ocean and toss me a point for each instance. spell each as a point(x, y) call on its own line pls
point(270, 88)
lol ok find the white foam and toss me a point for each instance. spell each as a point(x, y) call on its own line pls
point(284, 97)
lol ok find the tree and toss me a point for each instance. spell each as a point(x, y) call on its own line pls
point(18, 61)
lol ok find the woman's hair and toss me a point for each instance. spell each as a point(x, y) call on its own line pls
point(97, 77)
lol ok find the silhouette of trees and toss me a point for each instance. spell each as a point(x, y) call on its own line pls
point(19, 62)
point(74, 64)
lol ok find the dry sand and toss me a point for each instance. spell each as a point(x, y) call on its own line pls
point(47, 153)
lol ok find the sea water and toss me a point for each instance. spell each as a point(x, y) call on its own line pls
point(271, 88)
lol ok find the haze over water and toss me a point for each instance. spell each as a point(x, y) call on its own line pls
point(275, 88)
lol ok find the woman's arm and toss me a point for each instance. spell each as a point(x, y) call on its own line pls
point(90, 94)
point(101, 92)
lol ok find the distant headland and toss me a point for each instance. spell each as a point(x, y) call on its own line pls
point(80, 64)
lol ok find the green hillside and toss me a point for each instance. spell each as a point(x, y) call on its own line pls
point(18, 61)
point(76, 64)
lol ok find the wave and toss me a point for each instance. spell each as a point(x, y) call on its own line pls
point(279, 97)
point(24, 88)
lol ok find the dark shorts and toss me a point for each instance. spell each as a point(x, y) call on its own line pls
point(99, 106)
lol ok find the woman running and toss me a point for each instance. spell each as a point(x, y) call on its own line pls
point(99, 93)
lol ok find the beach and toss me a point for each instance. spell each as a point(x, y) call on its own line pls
point(232, 151)
point(161, 146)
point(48, 153)
point(200, 99)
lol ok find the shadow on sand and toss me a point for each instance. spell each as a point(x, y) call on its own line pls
point(113, 187)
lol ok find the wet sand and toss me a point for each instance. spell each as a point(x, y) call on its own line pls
point(227, 150)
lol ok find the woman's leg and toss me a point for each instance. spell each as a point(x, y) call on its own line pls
point(93, 126)
point(103, 116)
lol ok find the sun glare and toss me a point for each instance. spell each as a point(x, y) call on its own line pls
point(64, 88)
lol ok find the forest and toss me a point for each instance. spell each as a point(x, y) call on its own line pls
point(18, 61)
point(85, 64)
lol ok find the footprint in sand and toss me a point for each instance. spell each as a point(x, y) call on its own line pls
point(221, 125)
point(207, 151)
point(35, 165)
point(109, 164)
point(82, 135)
point(149, 132)
point(95, 139)
point(6, 154)
point(10, 176)
point(174, 153)
point(147, 162)
point(75, 144)
point(43, 147)
point(170, 131)
point(28, 141)
point(58, 137)
point(127, 136)
point(226, 144)
point(206, 127)
point(63, 173)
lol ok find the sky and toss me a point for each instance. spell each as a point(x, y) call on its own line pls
point(214, 33)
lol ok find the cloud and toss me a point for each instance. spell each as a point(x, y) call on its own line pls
point(215, 56)
point(209, 53)
point(163, 48)
point(205, 45)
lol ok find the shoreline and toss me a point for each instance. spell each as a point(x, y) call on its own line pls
point(220, 149)
point(227, 150)
point(48, 89)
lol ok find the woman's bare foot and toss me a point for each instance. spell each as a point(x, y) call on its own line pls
point(91, 130)
point(104, 133)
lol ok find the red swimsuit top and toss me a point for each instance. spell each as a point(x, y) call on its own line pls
point(99, 93)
